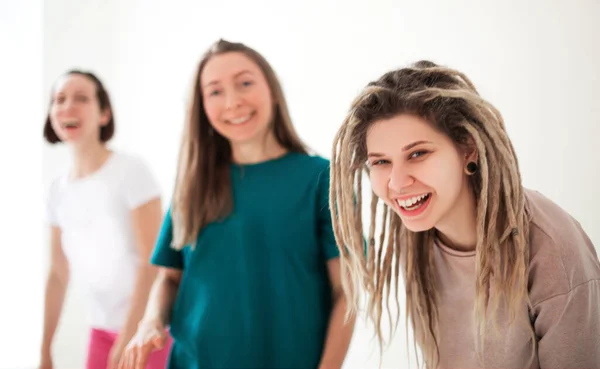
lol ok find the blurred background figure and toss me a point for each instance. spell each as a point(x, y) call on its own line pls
point(104, 214)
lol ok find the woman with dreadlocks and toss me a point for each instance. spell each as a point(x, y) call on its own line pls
point(495, 275)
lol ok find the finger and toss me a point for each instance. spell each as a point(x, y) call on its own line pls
point(113, 362)
point(142, 356)
point(129, 362)
point(122, 359)
point(159, 341)
point(126, 360)
point(118, 364)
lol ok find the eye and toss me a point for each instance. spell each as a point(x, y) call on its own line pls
point(247, 83)
point(81, 98)
point(418, 154)
point(378, 162)
point(214, 93)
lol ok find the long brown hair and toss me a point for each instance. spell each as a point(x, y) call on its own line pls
point(203, 189)
point(448, 100)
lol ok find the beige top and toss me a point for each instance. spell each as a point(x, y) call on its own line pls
point(564, 288)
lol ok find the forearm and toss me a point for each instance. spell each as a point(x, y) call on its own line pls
point(146, 275)
point(339, 335)
point(54, 299)
point(161, 300)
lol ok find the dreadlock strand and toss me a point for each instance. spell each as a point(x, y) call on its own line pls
point(371, 241)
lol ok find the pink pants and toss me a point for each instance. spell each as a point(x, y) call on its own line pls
point(101, 342)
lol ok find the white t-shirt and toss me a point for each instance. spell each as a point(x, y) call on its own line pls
point(94, 215)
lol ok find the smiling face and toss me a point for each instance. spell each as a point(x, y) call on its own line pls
point(416, 170)
point(236, 97)
point(75, 113)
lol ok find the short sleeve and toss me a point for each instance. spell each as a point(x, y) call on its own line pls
point(326, 235)
point(51, 204)
point(164, 255)
point(140, 185)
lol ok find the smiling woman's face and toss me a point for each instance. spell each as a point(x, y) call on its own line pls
point(415, 169)
point(75, 112)
point(237, 98)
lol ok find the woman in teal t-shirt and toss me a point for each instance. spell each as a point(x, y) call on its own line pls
point(249, 273)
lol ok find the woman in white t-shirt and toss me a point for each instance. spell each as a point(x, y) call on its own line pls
point(104, 214)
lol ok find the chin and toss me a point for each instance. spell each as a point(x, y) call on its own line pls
point(417, 226)
point(245, 137)
point(73, 140)
point(67, 139)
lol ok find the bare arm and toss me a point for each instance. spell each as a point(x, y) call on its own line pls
point(146, 220)
point(56, 288)
point(339, 333)
point(162, 297)
point(151, 335)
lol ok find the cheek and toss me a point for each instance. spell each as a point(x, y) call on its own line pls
point(53, 113)
point(379, 183)
point(261, 99)
point(212, 110)
point(92, 112)
point(449, 180)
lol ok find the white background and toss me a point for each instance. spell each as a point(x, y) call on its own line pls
point(536, 61)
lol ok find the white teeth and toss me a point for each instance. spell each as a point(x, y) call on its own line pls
point(240, 120)
point(70, 124)
point(409, 202)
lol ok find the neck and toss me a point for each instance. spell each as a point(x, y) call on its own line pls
point(459, 228)
point(88, 158)
point(257, 151)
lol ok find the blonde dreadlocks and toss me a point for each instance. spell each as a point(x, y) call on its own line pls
point(448, 100)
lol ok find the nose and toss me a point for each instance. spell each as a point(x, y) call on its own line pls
point(400, 178)
point(66, 106)
point(232, 99)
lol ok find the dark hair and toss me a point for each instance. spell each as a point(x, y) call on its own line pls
point(107, 131)
point(203, 190)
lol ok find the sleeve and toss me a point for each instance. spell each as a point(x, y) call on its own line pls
point(140, 186)
point(326, 235)
point(568, 326)
point(51, 200)
point(164, 255)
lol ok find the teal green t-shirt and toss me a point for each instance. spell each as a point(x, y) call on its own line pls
point(255, 291)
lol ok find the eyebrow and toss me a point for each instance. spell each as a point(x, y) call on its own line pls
point(214, 82)
point(413, 144)
point(76, 92)
point(405, 148)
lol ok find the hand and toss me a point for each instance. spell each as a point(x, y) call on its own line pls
point(149, 337)
point(116, 352)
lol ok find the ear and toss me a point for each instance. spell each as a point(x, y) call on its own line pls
point(105, 117)
point(470, 152)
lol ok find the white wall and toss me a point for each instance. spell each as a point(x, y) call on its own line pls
point(21, 259)
point(536, 61)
